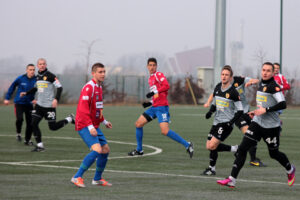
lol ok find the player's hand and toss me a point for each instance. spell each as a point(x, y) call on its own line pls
point(251, 114)
point(54, 103)
point(208, 115)
point(33, 102)
point(150, 94)
point(248, 84)
point(6, 102)
point(260, 110)
point(93, 132)
point(108, 125)
point(22, 94)
point(206, 105)
point(146, 104)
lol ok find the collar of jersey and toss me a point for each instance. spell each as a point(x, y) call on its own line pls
point(267, 81)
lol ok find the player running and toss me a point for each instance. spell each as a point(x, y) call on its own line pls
point(266, 125)
point(46, 103)
point(89, 115)
point(159, 87)
point(23, 105)
point(228, 108)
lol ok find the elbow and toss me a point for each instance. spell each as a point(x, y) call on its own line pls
point(284, 105)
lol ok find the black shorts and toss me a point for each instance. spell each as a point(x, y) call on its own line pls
point(269, 135)
point(42, 112)
point(219, 131)
point(244, 120)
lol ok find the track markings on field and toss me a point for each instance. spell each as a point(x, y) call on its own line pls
point(142, 173)
point(157, 151)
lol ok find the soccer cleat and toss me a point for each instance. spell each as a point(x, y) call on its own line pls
point(101, 182)
point(72, 116)
point(29, 143)
point(209, 172)
point(78, 182)
point(190, 149)
point(19, 138)
point(291, 176)
point(38, 149)
point(135, 153)
point(257, 163)
point(227, 182)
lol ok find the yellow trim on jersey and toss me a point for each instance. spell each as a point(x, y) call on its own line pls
point(222, 103)
point(261, 98)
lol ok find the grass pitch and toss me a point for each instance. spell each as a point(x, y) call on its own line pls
point(170, 174)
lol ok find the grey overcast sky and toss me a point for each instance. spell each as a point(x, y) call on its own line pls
point(55, 29)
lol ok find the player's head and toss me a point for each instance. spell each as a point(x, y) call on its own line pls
point(30, 70)
point(267, 71)
point(276, 68)
point(226, 74)
point(98, 72)
point(152, 65)
point(42, 64)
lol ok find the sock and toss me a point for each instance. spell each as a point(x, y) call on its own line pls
point(252, 152)
point(213, 168)
point(291, 170)
point(213, 156)
point(174, 136)
point(139, 138)
point(223, 147)
point(234, 148)
point(100, 166)
point(86, 163)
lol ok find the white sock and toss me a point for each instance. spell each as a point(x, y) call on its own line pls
point(290, 171)
point(232, 179)
point(212, 168)
point(40, 145)
point(234, 148)
point(69, 119)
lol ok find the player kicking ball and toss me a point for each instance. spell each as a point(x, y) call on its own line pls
point(88, 118)
point(159, 109)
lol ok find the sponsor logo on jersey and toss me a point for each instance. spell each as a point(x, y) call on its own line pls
point(162, 79)
point(99, 104)
point(261, 98)
point(221, 103)
point(236, 85)
point(227, 95)
point(42, 85)
point(45, 78)
point(265, 89)
point(277, 89)
point(85, 97)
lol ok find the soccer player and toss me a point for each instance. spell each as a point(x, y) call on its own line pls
point(265, 125)
point(89, 115)
point(280, 79)
point(23, 105)
point(239, 83)
point(159, 87)
point(46, 103)
point(228, 108)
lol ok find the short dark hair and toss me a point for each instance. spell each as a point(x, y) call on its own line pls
point(269, 63)
point(151, 60)
point(30, 65)
point(276, 64)
point(97, 65)
point(228, 67)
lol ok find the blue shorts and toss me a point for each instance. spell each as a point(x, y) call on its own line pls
point(160, 112)
point(90, 140)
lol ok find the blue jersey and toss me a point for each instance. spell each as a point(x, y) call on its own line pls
point(24, 84)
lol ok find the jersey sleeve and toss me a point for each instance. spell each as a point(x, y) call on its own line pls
point(12, 88)
point(237, 100)
point(84, 104)
point(163, 82)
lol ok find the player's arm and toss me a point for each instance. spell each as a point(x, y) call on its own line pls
point(250, 81)
point(209, 100)
point(285, 84)
point(240, 111)
point(84, 104)
point(164, 86)
point(59, 90)
point(10, 91)
point(212, 109)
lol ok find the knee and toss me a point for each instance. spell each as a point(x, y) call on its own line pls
point(105, 149)
point(138, 124)
point(52, 126)
point(164, 132)
point(210, 146)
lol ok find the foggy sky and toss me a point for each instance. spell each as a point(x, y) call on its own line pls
point(56, 29)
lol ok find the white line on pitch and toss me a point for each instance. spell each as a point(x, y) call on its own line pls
point(145, 173)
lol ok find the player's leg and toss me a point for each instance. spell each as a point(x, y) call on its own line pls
point(52, 123)
point(101, 161)
point(95, 147)
point(19, 120)
point(146, 117)
point(37, 115)
point(272, 139)
point(28, 118)
point(250, 139)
